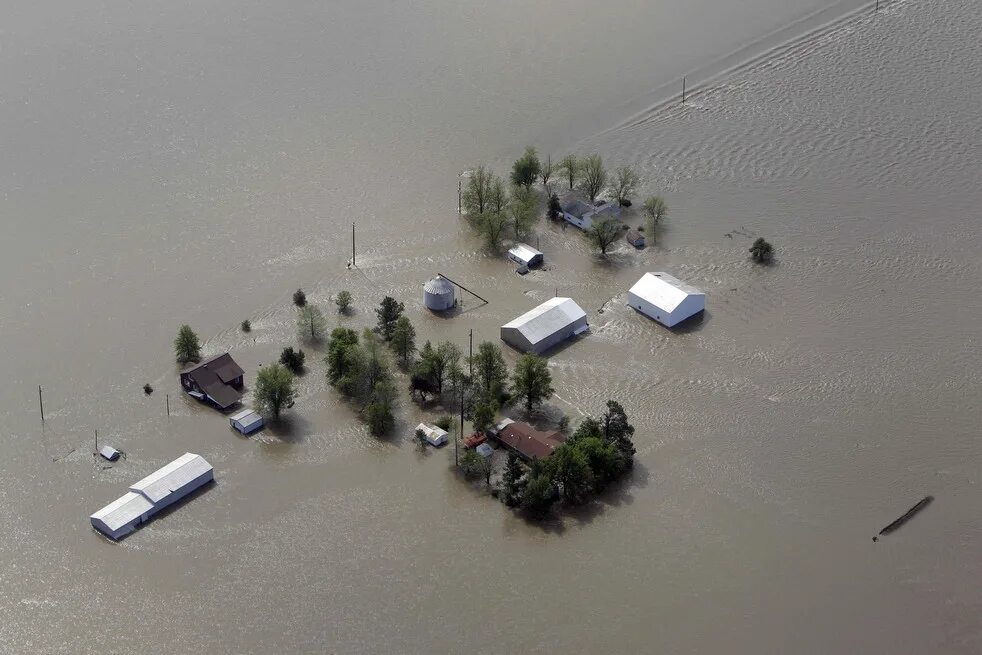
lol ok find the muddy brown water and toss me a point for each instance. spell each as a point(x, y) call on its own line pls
point(196, 164)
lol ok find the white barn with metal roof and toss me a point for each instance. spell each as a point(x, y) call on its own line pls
point(665, 298)
point(524, 254)
point(153, 493)
point(546, 326)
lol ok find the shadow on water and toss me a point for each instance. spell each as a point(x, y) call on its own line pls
point(290, 428)
point(692, 324)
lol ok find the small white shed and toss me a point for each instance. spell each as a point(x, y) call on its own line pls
point(247, 421)
point(110, 453)
point(435, 436)
point(665, 298)
point(438, 294)
point(525, 255)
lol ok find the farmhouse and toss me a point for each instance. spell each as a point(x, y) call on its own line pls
point(152, 494)
point(525, 255)
point(665, 298)
point(217, 380)
point(527, 442)
point(582, 214)
point(544, 327)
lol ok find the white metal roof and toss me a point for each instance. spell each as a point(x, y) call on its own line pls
point(164, 481)
point(125, 509)
point(547, 319)
point(664, 290)
point(439, 286)
point(524, 252)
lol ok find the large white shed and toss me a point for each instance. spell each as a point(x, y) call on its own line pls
point(544, 327)
point(153, 493)
point(524, 254)
point(665, 298)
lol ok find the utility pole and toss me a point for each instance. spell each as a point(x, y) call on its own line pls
point(459, 196)
point(41, 402)
point(96, 443)
point(683, 89)
point(456, 442)
point(352, 244)
point(470, 360)
point(168, 404)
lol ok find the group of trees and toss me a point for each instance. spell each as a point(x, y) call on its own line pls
point(494, 210)
point(360, 369)
point(599, 452)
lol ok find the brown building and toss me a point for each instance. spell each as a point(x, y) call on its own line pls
point(218, 380)
point(526, 441)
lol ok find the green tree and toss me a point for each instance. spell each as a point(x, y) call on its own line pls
point(588, 427)
point(604, 233)
point(485, 412)
point(513, 480)
point(299, 298)
point(471, 464)
point(570, 168)
point(343, 301)
point(761, 251)
point(341, 354)
point(490, 370)
point(445, 362)
point(388, 313)
point(187, 348)
point(605, 460)
point(492, 227)
point(498, 196)
point(654, 210)
point(526, 169)
point(593, 176)
point(292, 359)
point(378, 412)
point(523, 209)
point(274, 390)
point(538, 495)
point(626, 181)
point(311, 323)
point(532, 381)
point(555, 208)
point(570, 471)
point(246, 326)
point(477, 192)
point(404, 339)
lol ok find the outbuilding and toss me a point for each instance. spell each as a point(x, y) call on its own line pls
point(484, 450)
point(110, 453)
point(435, 435)
point(665, 298)
point(635, 238)
point(439, 294)
point(247, 421)
point(546, 326)
point(162, 488)
point(525, 255)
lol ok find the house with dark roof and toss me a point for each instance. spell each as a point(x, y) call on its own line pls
point(217, 380)
point(527, 442)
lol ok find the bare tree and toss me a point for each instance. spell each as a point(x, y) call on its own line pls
point(493, 227)
point(604, 234)
point(523, 210)
point(546, 173)
point(654, 209)
point(626, 181)
point(497, 195)
point(594, 176)
point(570, 167)
point(478, 191)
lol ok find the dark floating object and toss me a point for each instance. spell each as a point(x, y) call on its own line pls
point(924, 502)
point(147, 389)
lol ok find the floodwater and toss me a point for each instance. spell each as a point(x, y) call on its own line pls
point(196, 162)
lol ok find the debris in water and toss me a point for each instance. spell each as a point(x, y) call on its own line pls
point(147, 389)
point(924, 502)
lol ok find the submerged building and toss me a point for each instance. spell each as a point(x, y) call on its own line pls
point(525, 255)
point(439, 294)
point(217, 380)
point(665, 298)
point(546, 326)
point(153, 493)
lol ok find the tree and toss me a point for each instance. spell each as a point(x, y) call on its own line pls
point(761, 251)
point(274, 390)
point(292, 359)
point(513, 480)
point(446, 361)
point(532, 381)
point(626, 181)
point(570, 167)
point(493, 227)
point(388, 313)
point(343, 301)
point(471, 464)
point(546, 173)
point(593, 176)
point(378, 411)
point(299, 298)
point(246, 326)
point(404, 339)
point(654, 209)
point(605, 460)
point(341, 349)
point(490, 370)
point(475, 196)
point(570, 471)
point(538, 495)
point(485, 412)
point(604, 234)
point(526, 169)
point(311, 324)
point(187, 348)
point(497, 196)
point(555, 209)
point(523, 209)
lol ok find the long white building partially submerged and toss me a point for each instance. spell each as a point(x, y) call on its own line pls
point(153, 493)
point(546, 326)
point(666, 298)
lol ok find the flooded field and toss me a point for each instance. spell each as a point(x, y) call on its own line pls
point(199, 165)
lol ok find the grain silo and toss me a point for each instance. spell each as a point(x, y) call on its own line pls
point(438, 294)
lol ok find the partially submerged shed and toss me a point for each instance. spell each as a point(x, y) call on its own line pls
point(163, 487)
point(435, 435)
point(665, 298)
point(525, 255)
point(635, 238)
point(544, 327)
point(247, 421)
